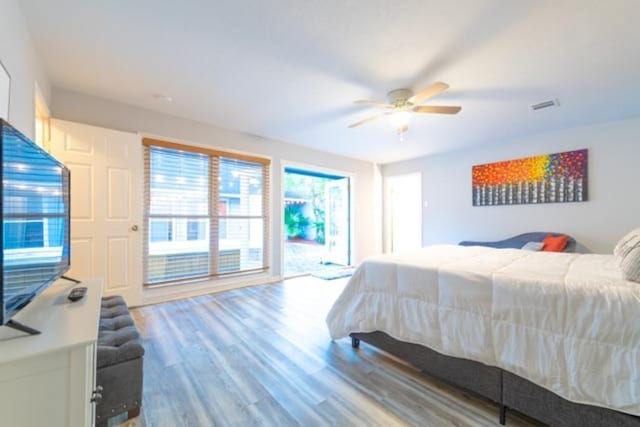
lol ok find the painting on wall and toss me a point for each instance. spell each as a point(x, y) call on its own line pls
point(5, 89)
point(550, 178)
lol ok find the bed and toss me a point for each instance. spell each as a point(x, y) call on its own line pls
point(553, 335)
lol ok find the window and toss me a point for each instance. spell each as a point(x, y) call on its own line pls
point(160, 230)
point(206, 213)
point(242, 187)
point(196, 229)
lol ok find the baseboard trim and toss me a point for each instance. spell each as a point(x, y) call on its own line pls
point(181, 291)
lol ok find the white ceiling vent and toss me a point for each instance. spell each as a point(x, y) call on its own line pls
point(552, 103)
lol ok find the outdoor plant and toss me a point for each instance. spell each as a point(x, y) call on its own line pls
point(318, 223)
point(295, 222)
point(312, 189)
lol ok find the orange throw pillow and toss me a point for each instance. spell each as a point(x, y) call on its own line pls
point(555, 244)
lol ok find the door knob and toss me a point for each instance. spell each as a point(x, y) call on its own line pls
point(134, 228)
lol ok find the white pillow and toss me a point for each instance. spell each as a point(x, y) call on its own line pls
point(627, 251)
point(630, 265)
point(533, 246)
point(627, 243)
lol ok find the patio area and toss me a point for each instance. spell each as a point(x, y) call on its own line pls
point(304, 257)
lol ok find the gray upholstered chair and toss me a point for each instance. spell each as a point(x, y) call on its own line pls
point(517, 242)
point(119, 362)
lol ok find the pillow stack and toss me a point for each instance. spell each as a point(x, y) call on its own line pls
point(627, 251)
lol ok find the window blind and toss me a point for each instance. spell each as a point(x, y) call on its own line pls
point(240, 215)
point(206, 213)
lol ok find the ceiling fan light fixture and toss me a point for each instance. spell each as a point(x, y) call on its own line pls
point(399, 120)
point(402, 103)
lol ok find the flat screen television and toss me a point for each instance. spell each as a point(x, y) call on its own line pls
point(35, 223)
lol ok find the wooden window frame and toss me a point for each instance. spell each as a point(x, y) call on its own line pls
point(214, 218)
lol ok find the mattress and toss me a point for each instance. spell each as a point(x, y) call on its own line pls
point(567, 322)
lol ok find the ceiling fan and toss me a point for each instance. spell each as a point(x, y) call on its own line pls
point(403, 102)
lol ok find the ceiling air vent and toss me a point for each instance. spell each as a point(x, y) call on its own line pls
point(543, 105)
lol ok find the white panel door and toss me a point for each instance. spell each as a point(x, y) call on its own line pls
point(106, 204)
point(337, 221)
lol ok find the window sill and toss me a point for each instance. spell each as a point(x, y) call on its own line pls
point(170, 292)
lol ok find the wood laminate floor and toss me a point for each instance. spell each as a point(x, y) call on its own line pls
point(263, 356)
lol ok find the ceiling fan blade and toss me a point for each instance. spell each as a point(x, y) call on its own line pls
point(432, 90)
point(378, 104)
point(368, 119)
point(436, 109)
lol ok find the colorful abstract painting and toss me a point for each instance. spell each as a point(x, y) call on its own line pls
point(550, 178)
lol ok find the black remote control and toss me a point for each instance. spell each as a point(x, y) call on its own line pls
point(77, 294)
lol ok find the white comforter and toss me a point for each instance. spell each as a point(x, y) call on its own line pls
point(567, 322)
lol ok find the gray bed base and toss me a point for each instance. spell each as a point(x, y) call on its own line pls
point(504, 388)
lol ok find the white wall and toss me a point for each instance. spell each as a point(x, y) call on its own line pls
point(21, 60)
point(81, 108)
point(613, 208)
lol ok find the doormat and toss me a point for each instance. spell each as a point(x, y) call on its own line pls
point(334, 273)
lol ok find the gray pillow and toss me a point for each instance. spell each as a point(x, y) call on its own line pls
point(533, 246)
point(627, 251)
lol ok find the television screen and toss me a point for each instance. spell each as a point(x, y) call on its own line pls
point(35, 221)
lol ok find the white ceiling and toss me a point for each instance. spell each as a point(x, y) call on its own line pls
point(290, 69)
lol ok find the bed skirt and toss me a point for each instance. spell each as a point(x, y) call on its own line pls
point(504, 388)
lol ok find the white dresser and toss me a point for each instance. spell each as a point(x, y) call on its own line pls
point(49, 379)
